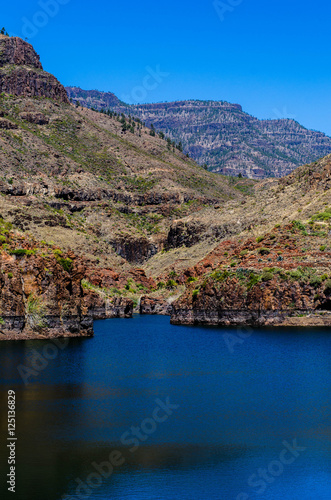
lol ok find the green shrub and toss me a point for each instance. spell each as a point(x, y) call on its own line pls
point(322, 248)
point(267, 276)
point(296, 274)
point(327, 288)
point(322, 216)
point(195, 294)
point(65, 263)
point(315, 281)
point(298, 225)
point(191, 279)
point(10, 275)
point(171, 284)
point(18, 252)
point(259, 239)
point(263, 251)
point(160, 285)
point(35, 313)
point(254, 279)
point(220, 275)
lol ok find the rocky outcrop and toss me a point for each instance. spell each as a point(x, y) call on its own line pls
point(37, 118)
point(7, 125)
point(16, 52)
point(41, 296)
point(188, 232)
point(91, 98)
point(270, 304)
point(269, 281)
point(21, 72)
point(134, 249)
point(151, 305)
point(101, 307)
point(26, 82)
point(42, 293)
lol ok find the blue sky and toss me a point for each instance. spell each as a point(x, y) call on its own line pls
point(270, 56)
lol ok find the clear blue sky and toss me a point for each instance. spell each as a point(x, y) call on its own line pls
point(271, 56)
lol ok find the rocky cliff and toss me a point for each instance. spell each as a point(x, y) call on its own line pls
point(44, 292)
point(21, 72)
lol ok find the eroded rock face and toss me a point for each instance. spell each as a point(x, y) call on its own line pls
point(134, 250)
point(42, 295)
point(271, 281)
point(40, 298)
point(37, 118)
point(151, 305)
point(267, 304)
point(7, 125)
point(103, 308)
point(21, 72)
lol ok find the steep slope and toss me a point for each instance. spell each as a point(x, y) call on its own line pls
point(276, 269)
point(222, 136)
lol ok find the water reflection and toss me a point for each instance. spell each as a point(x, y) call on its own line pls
point(235, 410)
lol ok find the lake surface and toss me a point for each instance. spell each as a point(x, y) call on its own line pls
point(184, 413)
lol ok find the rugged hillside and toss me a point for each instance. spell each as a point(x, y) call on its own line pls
point(101, 188)
point(273, 263)
point(222, 136)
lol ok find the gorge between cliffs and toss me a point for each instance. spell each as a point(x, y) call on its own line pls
point(102, 217)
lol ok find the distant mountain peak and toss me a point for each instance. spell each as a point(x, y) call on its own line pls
point(221, 135)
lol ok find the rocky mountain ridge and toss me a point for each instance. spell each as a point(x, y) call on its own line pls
point(222, 136)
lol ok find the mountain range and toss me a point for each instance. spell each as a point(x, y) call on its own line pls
point(221, 136)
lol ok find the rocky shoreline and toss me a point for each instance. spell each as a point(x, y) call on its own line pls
point(190, 317)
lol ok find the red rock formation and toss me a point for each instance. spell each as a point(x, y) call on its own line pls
point(41, 292)
point(273, 281)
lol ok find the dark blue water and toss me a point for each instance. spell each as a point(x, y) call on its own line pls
point(248, 422)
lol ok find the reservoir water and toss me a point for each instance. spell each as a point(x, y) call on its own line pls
point(150, 411)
